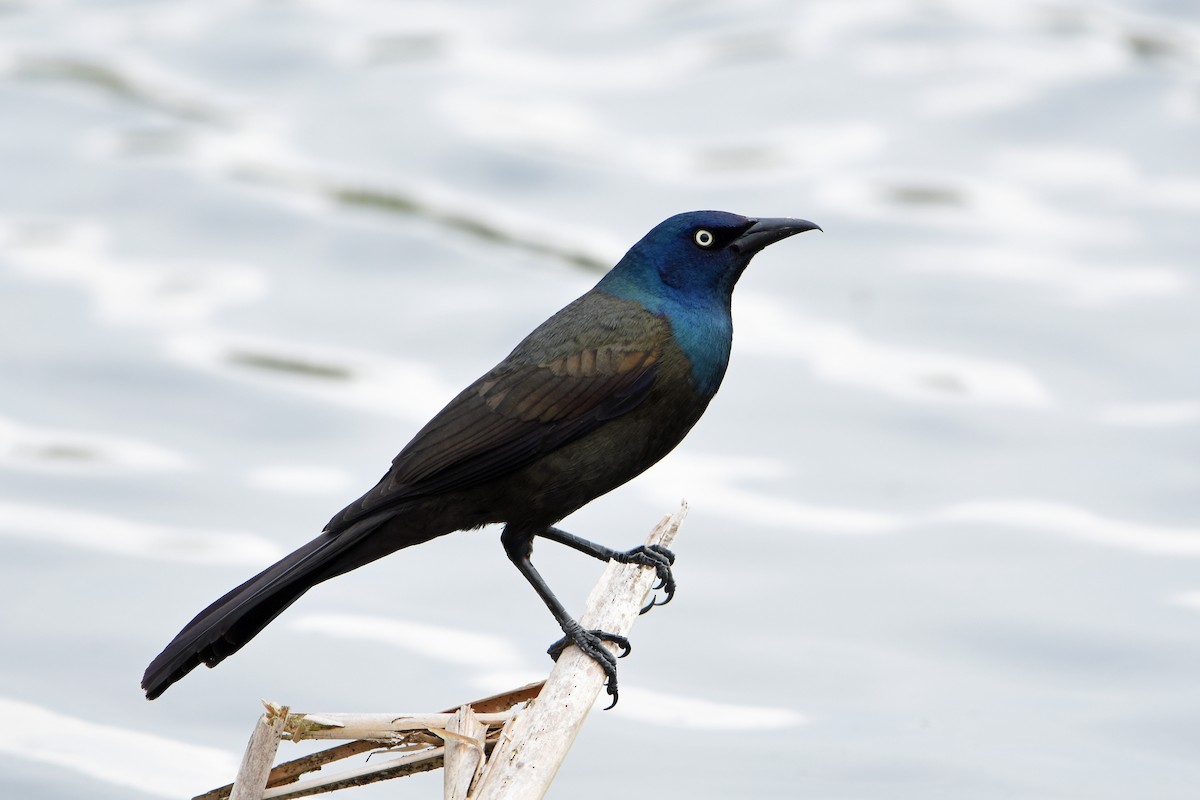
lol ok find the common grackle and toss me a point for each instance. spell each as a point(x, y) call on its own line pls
point(595, 395)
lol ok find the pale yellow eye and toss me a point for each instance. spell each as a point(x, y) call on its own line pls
point(704, 238)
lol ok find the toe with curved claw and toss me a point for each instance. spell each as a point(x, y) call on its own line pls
point(590, 642)
point(661, 559)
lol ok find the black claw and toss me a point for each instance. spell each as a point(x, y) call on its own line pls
point(590, 642)
point(661, 559)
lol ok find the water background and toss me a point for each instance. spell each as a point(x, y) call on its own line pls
point(945, 512)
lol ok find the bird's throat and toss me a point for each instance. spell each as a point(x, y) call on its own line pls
point(700, 323)
point(705, 337)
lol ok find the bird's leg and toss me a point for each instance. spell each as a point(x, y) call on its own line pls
point(656, 556)
point(518, 544)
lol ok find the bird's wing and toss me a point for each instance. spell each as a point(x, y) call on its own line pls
point(509, 418)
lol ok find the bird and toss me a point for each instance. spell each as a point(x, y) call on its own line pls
point(590, 399)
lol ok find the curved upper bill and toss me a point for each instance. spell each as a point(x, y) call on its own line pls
point(768, 231)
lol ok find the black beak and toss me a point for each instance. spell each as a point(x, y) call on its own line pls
point(769, 231)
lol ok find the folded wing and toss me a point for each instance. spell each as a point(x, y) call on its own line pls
point(509, 418)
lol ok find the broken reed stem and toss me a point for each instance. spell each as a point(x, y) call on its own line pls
point(260, 754)
point(529, 753)
point(286, 778)
point(465, 741)
point(524, 749)
point(377, 727)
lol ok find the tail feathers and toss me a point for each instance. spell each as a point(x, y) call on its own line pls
point(227, 625)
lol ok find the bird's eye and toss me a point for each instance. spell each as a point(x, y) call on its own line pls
point(704, 238)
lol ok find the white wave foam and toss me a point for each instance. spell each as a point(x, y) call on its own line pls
point(293, 479)
point(1077, 167)
point(839, 354)
point(125, 290)
point(718, 484)
point(1076, 523)
point(105, 533)
point(564, 130)
point(647, 706)
point(969, 74)
point(1189, 600)
point(981, 205)
point(699, 713)
point(1093, 169)
point(118, 756)
point(720, 481)
point(431, 641)
point(1078, 281)
point(1151, 415)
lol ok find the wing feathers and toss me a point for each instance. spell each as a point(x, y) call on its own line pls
point(509, 418)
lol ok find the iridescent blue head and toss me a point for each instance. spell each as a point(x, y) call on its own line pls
point(685, 270)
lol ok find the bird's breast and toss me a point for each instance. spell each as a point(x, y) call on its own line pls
point(623, 448)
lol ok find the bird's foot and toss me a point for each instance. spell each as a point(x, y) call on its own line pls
point(590, 642)
point(661, 559)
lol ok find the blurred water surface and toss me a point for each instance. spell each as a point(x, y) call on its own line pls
point(945, 521)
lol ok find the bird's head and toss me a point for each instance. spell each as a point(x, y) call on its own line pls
point(697, 255)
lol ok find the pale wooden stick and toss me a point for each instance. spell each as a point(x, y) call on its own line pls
point(284, 777)
point(421, 761)
point(464, 756)
point(260, 754)
point(528, 755)
point(382, 727)
point(532, 744)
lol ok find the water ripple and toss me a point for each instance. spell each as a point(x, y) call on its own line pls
point(114, 755)
point(29, 447)
point(839, 354)
point(89, 530)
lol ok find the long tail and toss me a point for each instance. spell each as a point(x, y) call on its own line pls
point(224, 627)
